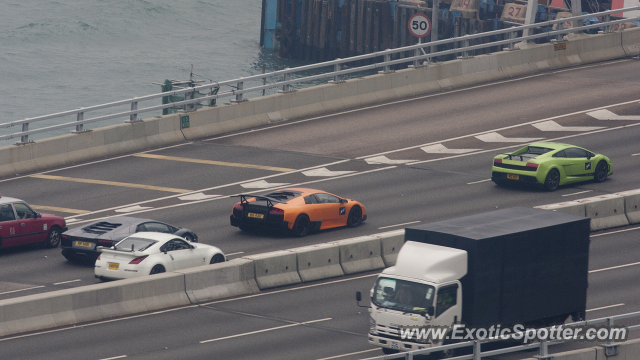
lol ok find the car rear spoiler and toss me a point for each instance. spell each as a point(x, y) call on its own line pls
point(270, 201)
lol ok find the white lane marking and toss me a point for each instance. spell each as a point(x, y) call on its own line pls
point(15, 291)
point(635, 154)
point(69, 221)
point(66, 282)
point(614, 267)
point(477, 182)
point(579, 192)
point(606, 307)
point(390, 226)
point(261, 184)
point(586, 67)
point(554, 126)
point(196, 196)
point(519, 145)
point(384, 160)
point(230, 196)
point(236, 253)
point(441, 149)
point(211, 188)
point(349, 354)
point(264, 330)
point(325, 172)
point(495, 137)
point(615, 232)
point(132, 209)
point(115, 357)
point(604, 114)
point(500, 129)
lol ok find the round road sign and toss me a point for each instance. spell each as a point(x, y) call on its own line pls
point(419, 25)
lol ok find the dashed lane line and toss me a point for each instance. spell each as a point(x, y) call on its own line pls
point(212, 162)
point(264, 330)
point(15, 291)
point(605, 307)
point(59, 209)
point(577, 193)
point(110, 183)
point(350, 354)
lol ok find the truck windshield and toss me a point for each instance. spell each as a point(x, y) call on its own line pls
point(402, 295)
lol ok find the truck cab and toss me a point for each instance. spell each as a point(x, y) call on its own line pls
point(422, 289)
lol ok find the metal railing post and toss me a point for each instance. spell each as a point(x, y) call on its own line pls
point(24, 138)
point(477, 350)
point(606, 28)
point(544, 351)
point(133, 117)
point(386, 69)
point(559, 36)
point(336, 78)
point(239, 87)
point(80, 127)
point(465, 53)
point(512, 36)
point(286, 88)
point(188, 96)
point(610, 348)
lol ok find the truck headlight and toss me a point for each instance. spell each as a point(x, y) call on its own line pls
point(372, 326)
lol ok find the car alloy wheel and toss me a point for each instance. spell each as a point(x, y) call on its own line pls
point(602, 170)
point(53, 239)
point(301, 226)
point(355, 216)
point(553, 180)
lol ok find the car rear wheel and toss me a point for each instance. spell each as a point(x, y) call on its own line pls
point(157, 269)
point(355, 216)
point(188, 237)
point(301, 226)
point(553, 180)
point(53, 239)
point(217, 258)
point(602, 170)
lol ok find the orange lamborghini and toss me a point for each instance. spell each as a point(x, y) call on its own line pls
point(297, 210)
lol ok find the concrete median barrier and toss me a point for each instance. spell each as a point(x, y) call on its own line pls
point(569, 207)
point(605, 211)
point(318, 262)
point(276, 268)
point(631, 205)
point(360, 254)
point(211, 282)
point(390, 243)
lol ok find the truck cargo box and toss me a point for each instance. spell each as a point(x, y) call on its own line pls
point(524, 264)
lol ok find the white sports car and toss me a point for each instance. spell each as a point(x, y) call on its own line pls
point(147, 253)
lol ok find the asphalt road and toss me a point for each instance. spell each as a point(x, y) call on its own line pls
point(409, 184)
point(312, 321)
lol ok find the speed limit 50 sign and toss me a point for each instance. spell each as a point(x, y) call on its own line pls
point(419, 25)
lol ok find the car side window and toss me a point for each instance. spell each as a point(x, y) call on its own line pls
point(6, 213)
point(575, 153)
point(157, 227)
point(140, 228)
point(310, 199)
point(447, 297)
point(327, 199)
point(176, 244)
point(24, 211)
point(560, 154)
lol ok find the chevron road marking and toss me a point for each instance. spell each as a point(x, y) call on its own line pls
point(196, 196)
point(261, 184)
point(384, 160)
point(605, 114)
point(441, 149)
point(323, 171)
point(132, 209)
point(495, 137)
point(554, 126)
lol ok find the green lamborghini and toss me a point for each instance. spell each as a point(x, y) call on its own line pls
point(550, 165)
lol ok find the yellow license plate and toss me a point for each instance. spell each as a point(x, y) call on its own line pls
point(84, 244)
point(254, 215)
point(113, 266)
point(513, 177)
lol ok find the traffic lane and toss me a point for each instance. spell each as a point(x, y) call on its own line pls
point(183, 329)
point(616, 250)
point(447, 115)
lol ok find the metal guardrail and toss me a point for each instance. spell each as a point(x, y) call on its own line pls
point(238, 91)
point(610, 347)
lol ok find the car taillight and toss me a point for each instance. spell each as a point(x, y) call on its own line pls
point(276, 211)
point(499, 161)
point(99, 257)
point(107, 243)
point(238, 207)
point(532, 165)
point(138, 260)
point(64, 236)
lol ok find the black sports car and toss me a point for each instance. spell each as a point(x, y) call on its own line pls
point(79, 244)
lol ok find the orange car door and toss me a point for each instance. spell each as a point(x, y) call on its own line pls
point(333, 211)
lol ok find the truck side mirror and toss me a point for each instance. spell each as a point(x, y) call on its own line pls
point(358, 296)
point(431, 310)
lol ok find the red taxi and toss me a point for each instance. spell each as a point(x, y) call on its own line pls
point(20, 224)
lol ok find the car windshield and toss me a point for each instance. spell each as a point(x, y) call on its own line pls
point(134, 244)
point(403, 295)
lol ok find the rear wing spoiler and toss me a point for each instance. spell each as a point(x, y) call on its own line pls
point(270, 201)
